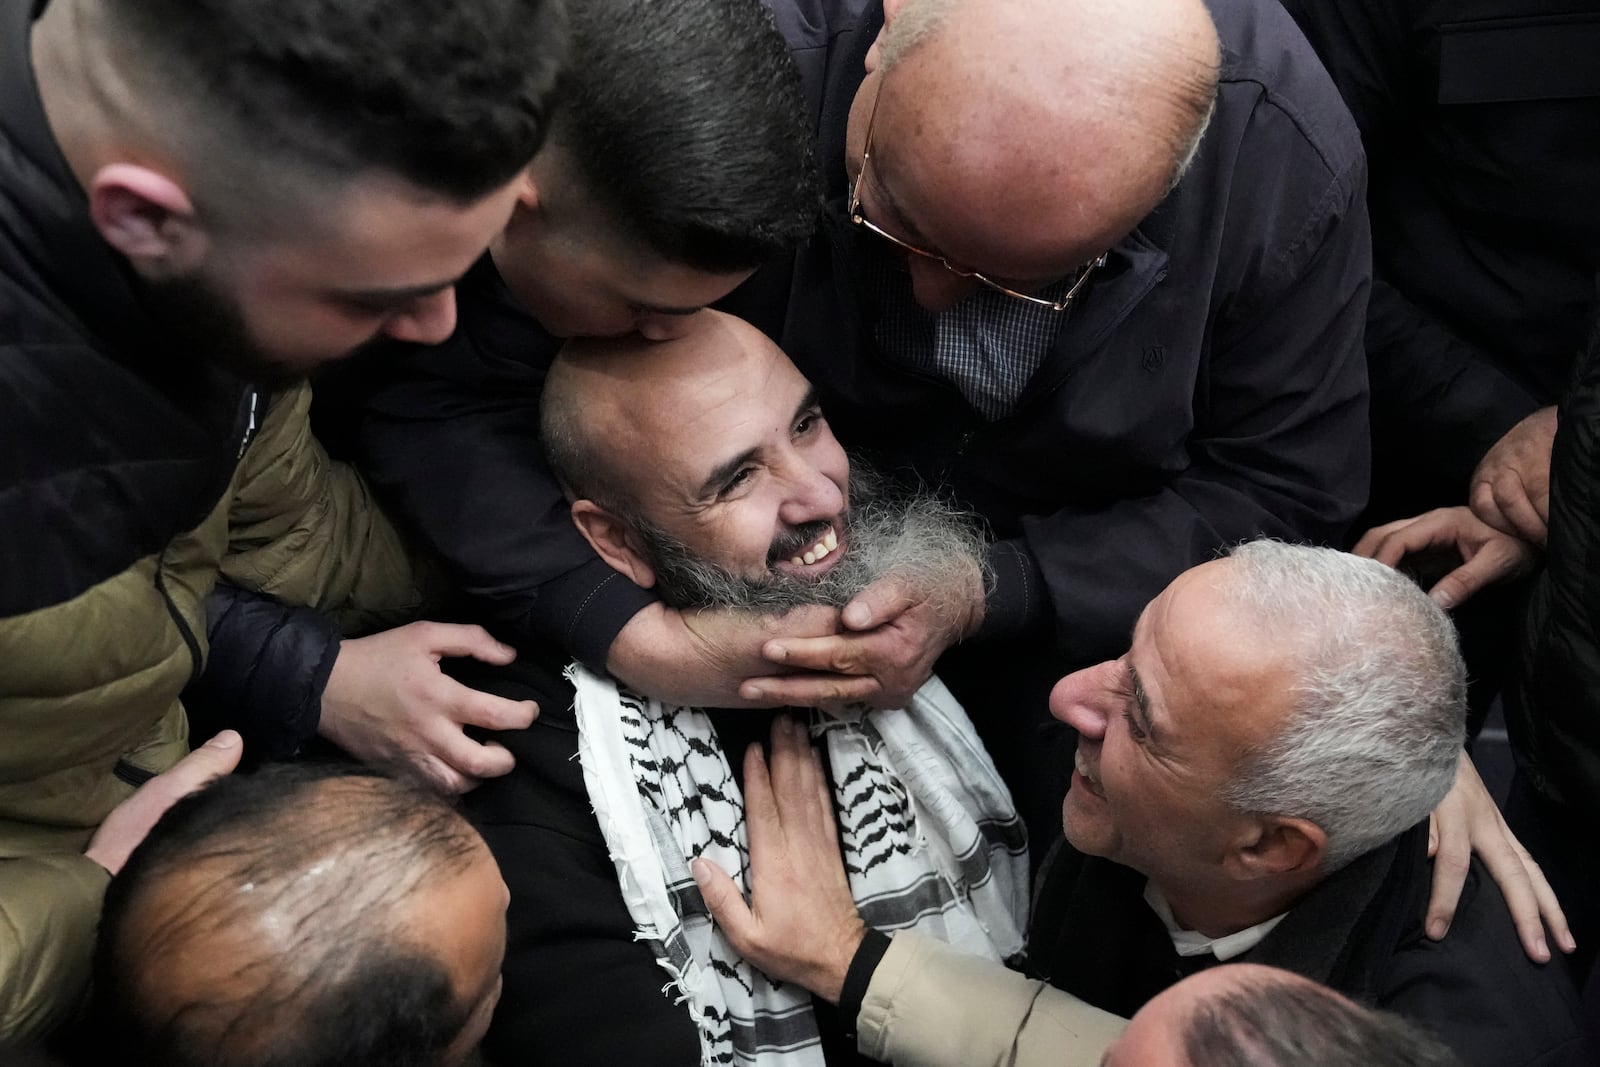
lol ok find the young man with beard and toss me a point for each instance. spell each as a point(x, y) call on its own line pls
point(200, 201)
point(746, 504)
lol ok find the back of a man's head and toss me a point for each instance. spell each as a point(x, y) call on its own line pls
point(448, 95)
point(286, 918)
point(683, 122)
point(1375, 728)
point(1274, 1019)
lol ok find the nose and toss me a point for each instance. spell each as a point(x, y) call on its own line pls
point(935, 286)
point(662, 327)
point(1083, 701)
point(812, 496)
point(427, 320)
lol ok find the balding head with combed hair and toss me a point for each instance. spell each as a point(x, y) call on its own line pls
point(303, 915)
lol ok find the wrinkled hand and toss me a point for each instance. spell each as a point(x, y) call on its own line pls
point(1468, 822)
point(130, 821)
point(894, 633)
point(701, 658)
point(801, 924)
point(1487, 554)
point(388, 702)
point(1510, 490)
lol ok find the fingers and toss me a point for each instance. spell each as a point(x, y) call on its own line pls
point(1507, 505)
point(476, 708)
point(455, 639)
point(1497, 560)
point(726, 904)
point(131, 820)
point(1450, 865)
point(878, 603)
point(810, 690)
point(466, 762)
point(841, 654)
point(1394, 541)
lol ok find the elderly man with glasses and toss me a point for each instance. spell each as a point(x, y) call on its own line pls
point(1099, 267)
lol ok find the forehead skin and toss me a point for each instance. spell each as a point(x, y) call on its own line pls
point(688, 403)
point(1218, 682)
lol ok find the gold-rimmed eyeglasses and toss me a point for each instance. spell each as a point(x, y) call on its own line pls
point(859, 219)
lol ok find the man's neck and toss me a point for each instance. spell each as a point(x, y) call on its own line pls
point(1217, 910)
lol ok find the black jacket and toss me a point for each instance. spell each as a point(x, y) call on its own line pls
point(1553, 713)
point(1481, 120)
point(1359, 932)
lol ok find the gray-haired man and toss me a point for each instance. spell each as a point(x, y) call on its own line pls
point(1252, 783)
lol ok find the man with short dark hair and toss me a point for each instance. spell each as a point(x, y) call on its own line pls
point(679, 161)
point(1252, 783)
point(203, 201)
point(321, 916)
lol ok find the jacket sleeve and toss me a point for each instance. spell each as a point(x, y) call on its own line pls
point(269, 662)
point(1279, 444)
point(49, 909)
point(451, 439)
point(307, 530)
point(929, 1005)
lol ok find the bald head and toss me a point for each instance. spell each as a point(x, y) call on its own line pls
point(1021, 138)
point(1247, 1013)
point(609, 400)
point(308, 915)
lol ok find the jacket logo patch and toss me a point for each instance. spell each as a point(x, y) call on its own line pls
point(1154, 357)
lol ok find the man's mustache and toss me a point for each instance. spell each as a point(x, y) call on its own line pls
point(796, 540)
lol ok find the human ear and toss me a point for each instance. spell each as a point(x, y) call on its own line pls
point(613, 541)
point(149, 218)
point(1277, 845)
point(891, 8)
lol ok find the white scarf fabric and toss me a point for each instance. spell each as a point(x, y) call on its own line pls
point(930, 837)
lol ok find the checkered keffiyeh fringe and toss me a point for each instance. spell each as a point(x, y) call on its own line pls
point(931, 842)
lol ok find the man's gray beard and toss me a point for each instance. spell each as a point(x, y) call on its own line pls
point(914, 536)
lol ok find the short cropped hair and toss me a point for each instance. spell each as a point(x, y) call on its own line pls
point(1292, 1023)
point(349, 990)
point(1374, 737)
point(685, 122)
point(450, 95)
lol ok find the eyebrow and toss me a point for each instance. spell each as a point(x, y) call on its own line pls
point(1141, 701)
point(727, 469)
point(395, 297)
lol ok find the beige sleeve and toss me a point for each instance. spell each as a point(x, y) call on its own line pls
point(308, 529)
point(929, 1005)
point(49, 909)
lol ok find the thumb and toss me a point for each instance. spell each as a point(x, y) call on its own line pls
point(216, 757)
point(725, 902)
point(877, 604)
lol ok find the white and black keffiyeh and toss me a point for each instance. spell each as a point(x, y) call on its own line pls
point(931, 843)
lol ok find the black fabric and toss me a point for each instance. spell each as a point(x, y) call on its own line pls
point(268, 665)
point(1553, 715)
point(859, 976)
point(112, 439)
point(1359, 931)
point(1562, 840)
point(1481, 120)
point(579, 989)
point(1207, 387)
